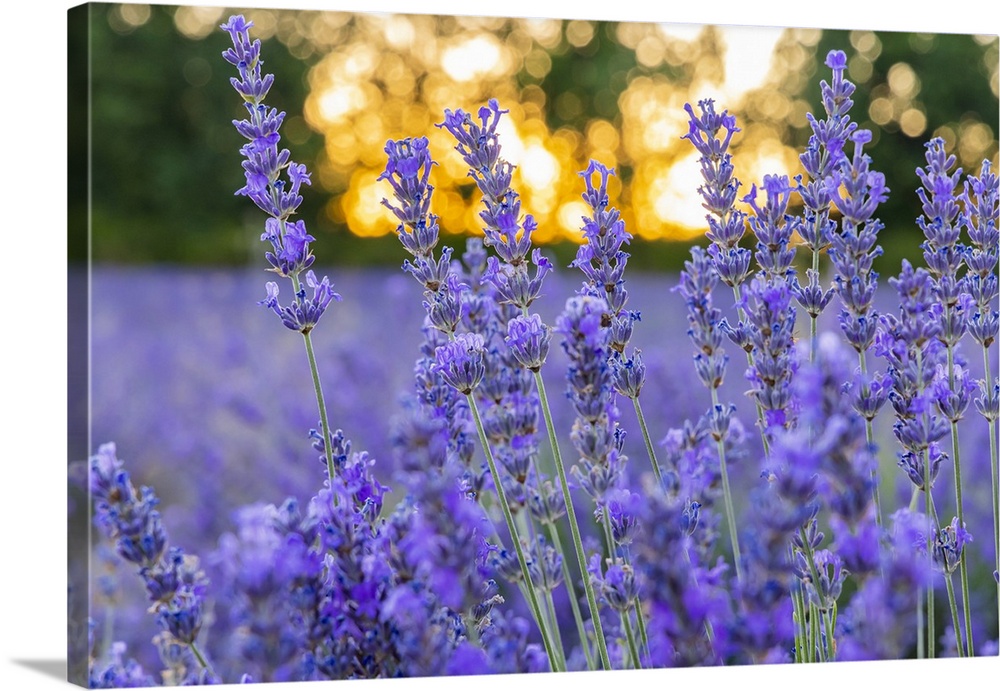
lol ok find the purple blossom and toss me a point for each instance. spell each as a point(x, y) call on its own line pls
point(279, 198)
point(949, 541)
point(772, 226)
point(725, 222)
point(303, 313)
point(617, 586)
point(174, 583)
point(408, 169)
point(528, 339)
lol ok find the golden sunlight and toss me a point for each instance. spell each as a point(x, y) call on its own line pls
point(383, 77)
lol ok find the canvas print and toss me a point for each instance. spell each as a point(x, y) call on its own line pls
point(406, 345)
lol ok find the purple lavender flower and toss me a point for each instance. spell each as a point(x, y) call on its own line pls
point(908, 342)
point(949, 543)
point(174, 583)
point(686, 600)
point(460, 362)
point(824, 153)
point(119, 673)
point(879, 622)
point(982, 201)
point(601, 257)
point(408, 169)
point(279, 198)
point(628, 374)
point(617, 586)
point(304, 312)
point(772, 320)
point(772, 226)
point(528, 339)
point(853, 249)
point(726, 224)
point(506, 231)
point(856, 189)
point(623, 508)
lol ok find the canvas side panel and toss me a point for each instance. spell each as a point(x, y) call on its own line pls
point(78, 307)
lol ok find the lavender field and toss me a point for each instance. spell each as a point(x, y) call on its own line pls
point(209, 404)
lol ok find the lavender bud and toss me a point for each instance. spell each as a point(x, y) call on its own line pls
point(628, 375)
point(460, 362)
point(528, 339)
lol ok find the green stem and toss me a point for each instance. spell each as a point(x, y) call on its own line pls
point(509, 518)
point(738, 296)
point(640, 620)
point(993, 473)
point(527, 526)
point(962, 564)
point(314, 372)
point(581, 630)
point(870, 440)
point(649, 443)
point(814, 613)
point(595, 616)
point(798, 621)
point(630, 637)
point(200, 658)
point(813, 341)
point(954, 614)
point(951, 590)
point(927, 511)
point(831, 643)
point(321, 402)
point(921, 648)
point(814, 633)
point(727, 497)
point(931, 642)
point(554, 621)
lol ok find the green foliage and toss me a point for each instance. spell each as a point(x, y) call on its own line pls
point(165, 154)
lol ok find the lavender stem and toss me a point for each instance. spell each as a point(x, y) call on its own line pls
point(962, 565)
point(727, 497)
point(509, 518)
point(595, 616)
point(649, 443)
point(993, 473)
point(571, 591)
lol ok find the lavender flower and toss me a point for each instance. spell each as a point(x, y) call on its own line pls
point(981, 202)
point(824, 153)
point(264, 166)
point(725, 222)
point(617, 586)
point(949, 543)
point(174, 583)
point(303, 313)
point(773, 227)
point(772, 322)
point(118, 672)
point(460, 362)
point(528, 339)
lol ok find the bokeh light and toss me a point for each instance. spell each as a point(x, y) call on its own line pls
point(575, 90)
point(384, 77)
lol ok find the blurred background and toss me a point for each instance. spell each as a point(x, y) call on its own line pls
point(166, 162)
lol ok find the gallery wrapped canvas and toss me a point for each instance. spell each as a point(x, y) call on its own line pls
point(412, 345)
